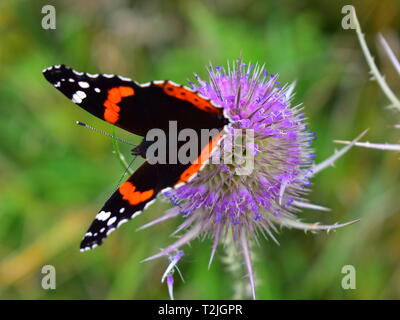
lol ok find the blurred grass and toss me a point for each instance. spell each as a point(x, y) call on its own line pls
point(56, 175)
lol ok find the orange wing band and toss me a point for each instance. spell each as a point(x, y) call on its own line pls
point(184, 94)
point(115, 95)
point(127, 190)
point(202, 158)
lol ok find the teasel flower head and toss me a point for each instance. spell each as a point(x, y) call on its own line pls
point(265, 161)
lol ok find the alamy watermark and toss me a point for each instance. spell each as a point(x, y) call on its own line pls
point(349, 280)
point(348, 21)
point(206, 146)
point(49, 19)
point(49, 278)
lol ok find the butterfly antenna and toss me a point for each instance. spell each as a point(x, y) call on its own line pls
point(104, 133)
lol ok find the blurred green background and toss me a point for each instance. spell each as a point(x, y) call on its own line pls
point(55, 175)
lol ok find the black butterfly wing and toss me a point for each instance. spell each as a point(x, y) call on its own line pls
point(140, 190)
point(131, 198)
point(134, 107)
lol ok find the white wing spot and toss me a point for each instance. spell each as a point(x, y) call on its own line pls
point(173, 83)
point(103, 216)
point(97, 89)
point(124, 78)
point(111, 221)
point(136, 214)
point(81, 94)
point(188, 89)
point(71, 80)
point(121, 210)
point(92, 75)
point(76, 98)
point(108, 75)
point(148, 204)
point(122, 222)
point(83, 84)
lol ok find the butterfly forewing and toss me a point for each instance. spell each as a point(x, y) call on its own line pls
point(133, 107)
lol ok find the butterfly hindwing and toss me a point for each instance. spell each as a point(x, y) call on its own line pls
point(133, 196)
point(140, 190)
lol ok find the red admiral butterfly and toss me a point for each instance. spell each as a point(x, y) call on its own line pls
point(139, 108)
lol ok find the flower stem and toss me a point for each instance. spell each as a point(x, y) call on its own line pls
point(233, 261)
point(380, 79)
point(119, 155)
